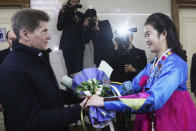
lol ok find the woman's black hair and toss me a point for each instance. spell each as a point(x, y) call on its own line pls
point(162, 23)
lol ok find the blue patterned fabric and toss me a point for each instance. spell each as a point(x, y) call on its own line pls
point(160, 85)
point(125, 88)
point(100, 117)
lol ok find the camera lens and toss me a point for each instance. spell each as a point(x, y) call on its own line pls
point(92, 23)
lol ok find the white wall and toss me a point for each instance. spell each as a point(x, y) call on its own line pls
point(118, 12)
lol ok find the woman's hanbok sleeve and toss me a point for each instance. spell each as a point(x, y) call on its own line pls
point(128, 87)
point(173, 74)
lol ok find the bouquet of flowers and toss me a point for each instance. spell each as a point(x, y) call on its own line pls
point(93, 86)
point(88, 82)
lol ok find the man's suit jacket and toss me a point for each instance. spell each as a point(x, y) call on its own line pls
point(193, 73)
point(136, 57)
point(30, 94)
point(3, 54)
point(71, 38)
point(102, 41)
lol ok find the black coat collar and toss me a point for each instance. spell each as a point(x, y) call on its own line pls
point(29, 50)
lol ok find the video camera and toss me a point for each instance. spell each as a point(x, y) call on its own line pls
point(91, 15)
point(69, 7)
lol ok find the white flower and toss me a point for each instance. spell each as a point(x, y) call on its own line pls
point(87, 93)
point(94, 80)
point(90, 81)
point(98, 90)
point(100, 86)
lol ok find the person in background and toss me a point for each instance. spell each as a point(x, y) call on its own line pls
point(158, 94)
point(29, 91)
point(185, 54)
point(1, 35)
point(127, 60)
point(10, 36)
point(70, 21)
point(100, 32)
point(193, 74)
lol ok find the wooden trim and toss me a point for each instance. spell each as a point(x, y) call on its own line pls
point(15, 3)
point(175, 5)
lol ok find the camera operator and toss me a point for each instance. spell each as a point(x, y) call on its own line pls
point(70, 21)
point(100, 32)
point(127, 60)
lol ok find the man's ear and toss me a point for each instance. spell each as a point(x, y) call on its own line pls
point(25, 34)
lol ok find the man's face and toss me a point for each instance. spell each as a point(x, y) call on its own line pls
point(74, 2)
point(39, 38)
point(11, 36)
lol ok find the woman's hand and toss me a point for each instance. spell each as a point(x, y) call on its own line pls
point(95, 100)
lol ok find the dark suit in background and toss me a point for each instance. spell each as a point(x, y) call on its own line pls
point(193, 74)
point(136, 57)
point(71, 41)
point(3, 54)
point(121, 57)
point(30, 94)
point(102, 41)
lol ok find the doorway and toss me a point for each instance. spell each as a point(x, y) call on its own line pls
point(187, 28)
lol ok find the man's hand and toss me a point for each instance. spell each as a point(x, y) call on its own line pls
point(86, 22)
point(83, 103)
point(96, 27)
point(1, 108)
point(95, 100)
point(114, 41)
point(76, 19)
point(63, 8)
point(115, 46)
point(129, 68)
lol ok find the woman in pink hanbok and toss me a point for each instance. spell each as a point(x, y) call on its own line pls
point(158, 94)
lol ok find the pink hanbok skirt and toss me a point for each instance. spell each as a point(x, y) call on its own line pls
point(178, 114)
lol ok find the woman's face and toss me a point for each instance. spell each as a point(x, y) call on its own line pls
point(154, 41)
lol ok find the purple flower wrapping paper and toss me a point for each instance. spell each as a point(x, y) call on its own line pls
point(100, 117)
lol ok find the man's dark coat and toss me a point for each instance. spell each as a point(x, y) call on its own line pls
point(30, 94)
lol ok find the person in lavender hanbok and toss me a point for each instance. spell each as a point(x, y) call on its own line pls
point(158, 94)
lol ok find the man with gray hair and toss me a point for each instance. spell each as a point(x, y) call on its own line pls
point(29, 92)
